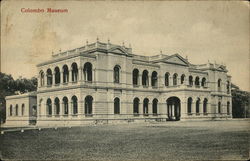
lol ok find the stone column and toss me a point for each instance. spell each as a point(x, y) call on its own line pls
point(70, 108)
point(61, 109)
point(80, 108)
point(54, 78)
point(80, 72)
point(45, 80)
point(173, 111)
point(70, 75)
point(61, 77)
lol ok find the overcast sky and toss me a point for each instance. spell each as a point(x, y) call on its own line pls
point(214, 31)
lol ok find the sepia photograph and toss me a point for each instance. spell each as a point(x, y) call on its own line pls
point(124, 80)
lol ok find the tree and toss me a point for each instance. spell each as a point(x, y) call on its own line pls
point(240, 103)
point(9, 86)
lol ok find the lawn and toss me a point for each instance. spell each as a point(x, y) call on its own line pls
point(203, 140)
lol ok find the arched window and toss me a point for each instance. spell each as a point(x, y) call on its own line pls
point(49, 107)
point(11, 113)
point(182, 78)
point(135, 77)
point(136, 106)
point(203, 82)
point(116, 74)
point(219, 85)
point(74, 69)
point(219, 107)
point(66, 105)
point(190, 80)
point(167, 79)
point(145, 107)
point(189, 105)
point(145, 78)
point(198, 106)
point(87, 70)
point(88, 105)
point(23, 106)
point(41, 78)
point(74, 105)
point(16, 109)
point(154, 79)
point(57, 75)
point(197, 81)
point(49, 77)
point(65, 74)
point(205, 106)
point(228, 87)
point(154, 106)
point(57, 106)
point(175, 79)
point(116, 105)
point(228, 108)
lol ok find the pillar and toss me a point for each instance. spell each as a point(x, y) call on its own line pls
point(70, 75)
point(80, 72)
point(61, 77)
point(61, 109)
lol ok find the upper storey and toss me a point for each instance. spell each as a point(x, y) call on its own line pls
point(108, 65)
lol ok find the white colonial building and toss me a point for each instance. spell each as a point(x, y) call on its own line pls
point(107, 82)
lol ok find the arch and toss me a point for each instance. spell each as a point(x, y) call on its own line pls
point(182, 78)
point(136, 103)
point(22, 110)
point(65, 105)
point(167, 79)
point(145, 107)
point(11, 110)
point(205, 106)
point(219, 107)
point(197, 81)
point(16, 112)
point(87, 71)
point(41, 78)
point(57, 106)
point(203, 82)
point(154, 79)
point(135, 77)
point(197, 109)
point(74, 105)
point(88, 105)
point(49, 107)
point(154, 106)
point(189, 105)
point(74, 70)
point(116, 74)
point(57, 75)
point(65, 74)
point(190, 80)
point(116, 105)
point(228, 108)
point(174, 108)
point(175, 79)
point(49, 77)
point(145, 78)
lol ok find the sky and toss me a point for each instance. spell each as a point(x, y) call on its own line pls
point(202, 31)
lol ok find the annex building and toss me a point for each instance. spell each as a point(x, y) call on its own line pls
point(104, 82)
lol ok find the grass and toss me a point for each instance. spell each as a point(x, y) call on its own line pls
point(213, 140)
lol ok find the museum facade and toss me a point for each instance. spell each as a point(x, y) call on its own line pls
point(104, 82)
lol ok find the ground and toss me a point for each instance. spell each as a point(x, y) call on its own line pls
point(193, 140)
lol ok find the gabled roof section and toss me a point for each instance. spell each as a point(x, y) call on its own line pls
point(175, 59)
point(118, 50)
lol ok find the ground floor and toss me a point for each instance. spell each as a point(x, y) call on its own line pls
point(176, 140)
point(87, 106)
